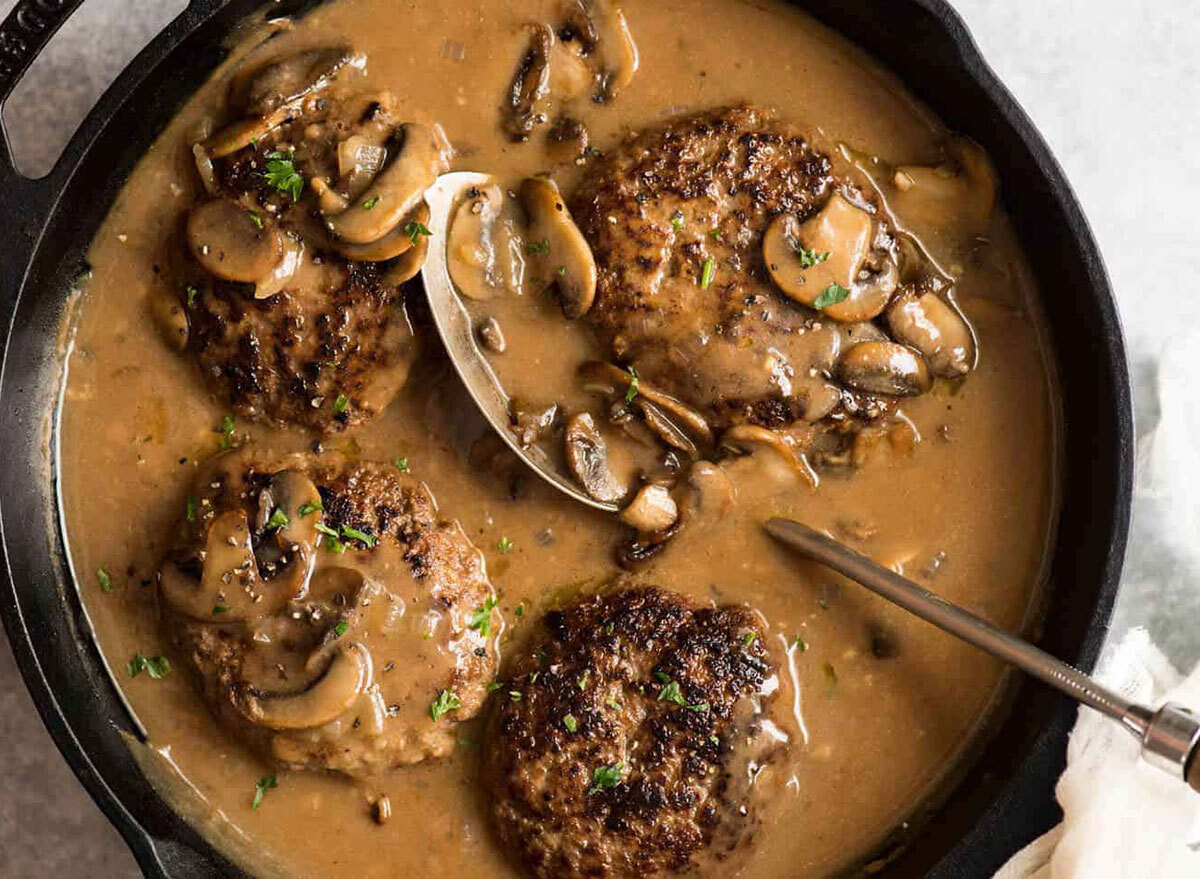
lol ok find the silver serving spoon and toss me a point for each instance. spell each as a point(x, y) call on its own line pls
point(454, 325)
point(1170, 736)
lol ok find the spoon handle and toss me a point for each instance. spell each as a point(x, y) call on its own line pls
point(1170, 736)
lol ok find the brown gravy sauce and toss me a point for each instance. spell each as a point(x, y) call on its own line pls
point(973, 501)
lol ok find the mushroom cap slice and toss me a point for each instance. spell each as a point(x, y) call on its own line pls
point(809, 261)
point(324, 700)
point(651, 510)
point(587, 457)
point(557, 248)
point(397, 190)
point(170, 316)
point(483, 252)
point(225, 239)
point(399, 240)
point(291, 492)
point(884, 368)
point(937, 330)
point(240, 133)
point(530, 85)
point(610, 378)
point(405, 268)
point(615, 48)
point(962, 189)
point(283, 82)
point(748, 439)
point(229, 578)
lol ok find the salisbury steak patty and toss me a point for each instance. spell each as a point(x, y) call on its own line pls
point(333, 620)
point(675, 217)
point(623, 742)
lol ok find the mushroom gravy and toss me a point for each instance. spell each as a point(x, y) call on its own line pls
point(958, 491)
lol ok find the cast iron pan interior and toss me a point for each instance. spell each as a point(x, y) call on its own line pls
point(1007, 797)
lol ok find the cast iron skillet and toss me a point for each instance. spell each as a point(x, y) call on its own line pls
point(1006, 797)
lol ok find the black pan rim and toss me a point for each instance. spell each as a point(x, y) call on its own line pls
point(161, 845)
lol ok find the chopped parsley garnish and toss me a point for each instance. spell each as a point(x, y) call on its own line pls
point(515, 695)
point(256, 220)
point(748, 639)
point(709, 271)
point(831, 295)
point(415, 230)
point(562, 270)
point(504, 546)
point(264, 784)
point(278, 519)
point(672, 692)
point(362, 536)
point(570, 723)
point(823, 603)
point(663, 677)
point(341, 627)
point(309, 507)
point(494, 686)
point(156, 667)
point(677, 220)
point(370, 203)
point(538, 247)
point(220, 608)
point(401, 464)
point(340, 404)
point(613, 703)
point(799, 644)
point(520, 611)
point(227, 427)
point(632, 390)
point(715, 234)
point(809, 258)
point(192, 292)
point(583, 680)
point(445, 702)
point(104, 580)
point(605, 777)
point(481, 620)
point(332, 540)
point(189, 509)
point(282, 174)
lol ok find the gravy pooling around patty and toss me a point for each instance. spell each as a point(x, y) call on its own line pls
point(958, 493)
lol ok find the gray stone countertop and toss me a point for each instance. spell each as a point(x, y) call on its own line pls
point(1113, 84)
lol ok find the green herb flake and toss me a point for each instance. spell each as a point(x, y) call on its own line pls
point(715, 235)
point(699, 707)
point(570, 723)
point(613, 703)
point(341, 627)
point(515, 695)
point(749, 638)
point(157, 667)
point(256, 220)
point(333, 545)
point(445, 702)
point(716, 740)
point(401, 464)
point(632, 390)
point(220, 609)
point(192, 293)
point(809, 258)
point(189, 509)
point(539, 248)
point(799, 644)
point(494, 686)
point(605, 777)
point(672, 693)
point(707, 274)
point(504, 546)
point(279, 519)
point(823, 603)
point(104, 580)
point(583, 680)
point(831, 295)
point(562, 270)
point(415, 230)
point(309, 507)
point(677, 220)
point(663, 677)
point(520, 611)
point(349, 533)
point(282, 174)
point(264, 784)
point(481, 620)
point(370, 203)
point(227, 428)
point(340, 404)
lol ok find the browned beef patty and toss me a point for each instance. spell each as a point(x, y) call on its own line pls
point(622, 743)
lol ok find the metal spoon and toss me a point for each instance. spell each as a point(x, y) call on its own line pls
point(1170, 736)
point(454, 325)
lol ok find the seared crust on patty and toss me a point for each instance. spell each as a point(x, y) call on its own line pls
point(621, 745)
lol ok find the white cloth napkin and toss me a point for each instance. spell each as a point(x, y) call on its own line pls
point(1124, 819)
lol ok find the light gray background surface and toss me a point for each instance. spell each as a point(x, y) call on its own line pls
point(1113, 84)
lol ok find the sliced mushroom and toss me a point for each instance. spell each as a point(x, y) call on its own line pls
point(530, 85)
point(284, 82)
point(707, 495)
point(937, 330)
point(663, 427)
point(748, 439)
point(557, 247)
point(567, 139)
point(297, 497)
point(397, 190)
point(393, 244)
point(491, 334)
point(170, 317)
point(293, 256)
point(608, 379)
point(324, 700)
point(961, 189)
point(329, 200)
point(826, 262)
point(204, 169)
point(601, 26)
point(484, 254)
point(405, 268)
point(652, 509)
point(587, 456)
point(240, 133)
point(229, 588)
point(884, 368)
point(232, 242)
